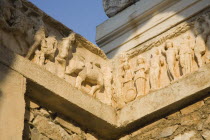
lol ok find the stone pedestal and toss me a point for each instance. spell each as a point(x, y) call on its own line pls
point(12, 104)
point(143, 21)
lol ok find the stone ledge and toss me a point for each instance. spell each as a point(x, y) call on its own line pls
point(125, 37)
point(177, 94)
point(62, 98)
point(97, 116)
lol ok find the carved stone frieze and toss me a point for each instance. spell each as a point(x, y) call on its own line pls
point(134, 74)
point(177, 53)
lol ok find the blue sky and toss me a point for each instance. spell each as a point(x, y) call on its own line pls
point(82, 16)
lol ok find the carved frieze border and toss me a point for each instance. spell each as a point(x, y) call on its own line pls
point(169, 34)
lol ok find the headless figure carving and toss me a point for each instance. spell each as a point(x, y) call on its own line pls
point(38, 37)
point(186, 55)
point(141, 76)
point(171, 54)
point(200, 47)
point(107, 76)
point(155, 64)
point(207, 57)
point(128, 89)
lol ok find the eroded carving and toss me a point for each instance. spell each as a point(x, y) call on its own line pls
point(91, 73)
point(155, 69)
point(171, 54)
point(108, 79)
point(127, 78)
point(64, 53)
point(141, 77)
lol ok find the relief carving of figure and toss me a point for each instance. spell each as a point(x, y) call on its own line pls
point(93, 75)
point(128, 89)
point(48, 47)
point(46, 55)
point(200, 46)
point(107, 76)
point(39, 58)
point(141, 78)
point(171, 54)
point(207, 57)
point(186, 54)
point(164, 79)
point(38, 37)
point(155, 69)
point(64, 52)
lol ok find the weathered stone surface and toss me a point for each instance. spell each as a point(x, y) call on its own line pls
point(29, 115)
point(50, 129)
point(206, 134)
point(76, 137)
point(44, 112)
point(185, 136)
point(190, 119)
point(35, 135)
point(174, 115)
point(192, 108)
point(12, 104)
point(207, 100)
point(68, 125)
point(168, 131)
point(200, 126)
point(90, 137)
point(33, 105)
point(112, 7)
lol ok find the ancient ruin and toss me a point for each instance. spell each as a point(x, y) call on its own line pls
point(153, 82)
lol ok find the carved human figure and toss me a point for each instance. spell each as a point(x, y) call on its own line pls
point(140, 78)
point(39, 58)
point(48, 47)
point(186, 54)
point(107, 76)
point(38, 37)
point(64, 51)
point(128, 89)
point(164, 79)
point(171, 54)
point(155, 69)
point(200, 46)
point(207, 57)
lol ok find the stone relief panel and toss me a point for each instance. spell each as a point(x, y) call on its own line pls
point(31, 33)
point(167, 60)
point(70, 61)
point(144, 69)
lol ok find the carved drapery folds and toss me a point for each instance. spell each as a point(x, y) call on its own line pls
point(58, 57)
point(31, 33)
point(134, 74)
point(171, 60)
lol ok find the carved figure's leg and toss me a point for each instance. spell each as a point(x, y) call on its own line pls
point(199, 59)
point(79, 82)
point(94, 89)
point(33, 48)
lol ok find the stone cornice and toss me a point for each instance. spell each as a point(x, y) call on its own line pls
point(130, 28)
